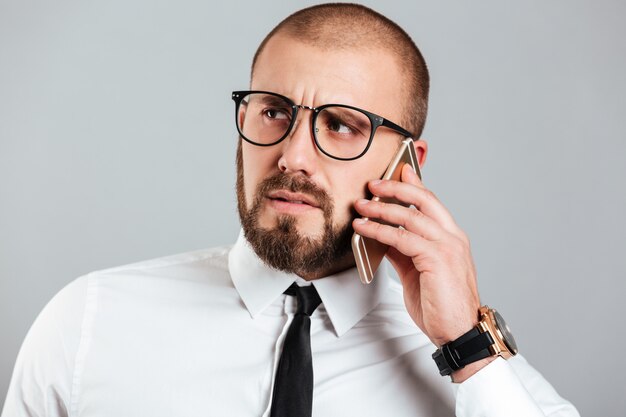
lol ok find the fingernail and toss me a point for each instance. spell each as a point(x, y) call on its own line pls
point(413, 174)
point(360, 221)
point(375, 182)
point(363, 201)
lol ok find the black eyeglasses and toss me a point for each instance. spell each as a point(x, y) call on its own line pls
point(340, 131)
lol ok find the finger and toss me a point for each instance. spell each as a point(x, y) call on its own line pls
point(406, 242)
point(422, 198)
point(409, 175)
point(410, 218)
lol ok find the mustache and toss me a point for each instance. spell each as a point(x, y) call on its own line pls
point(296, 184)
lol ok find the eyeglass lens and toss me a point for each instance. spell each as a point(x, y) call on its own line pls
point(340, 131)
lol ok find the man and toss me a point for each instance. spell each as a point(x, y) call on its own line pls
point(212, 332)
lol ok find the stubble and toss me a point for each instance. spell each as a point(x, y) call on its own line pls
point(283, 247)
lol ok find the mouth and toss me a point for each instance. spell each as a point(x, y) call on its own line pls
point(283, 197)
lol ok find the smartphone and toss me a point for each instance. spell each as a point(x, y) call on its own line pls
point(369, 253)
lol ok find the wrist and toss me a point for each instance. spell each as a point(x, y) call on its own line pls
point(459, 331)
point(466, 355)
point(469, 370)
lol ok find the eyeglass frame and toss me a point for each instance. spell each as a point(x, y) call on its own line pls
point(375, 120)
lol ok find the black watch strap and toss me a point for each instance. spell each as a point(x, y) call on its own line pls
point(470, 347)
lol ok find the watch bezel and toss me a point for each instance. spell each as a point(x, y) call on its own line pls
point(488, 323)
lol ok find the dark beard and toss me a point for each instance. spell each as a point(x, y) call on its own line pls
point(282, 247)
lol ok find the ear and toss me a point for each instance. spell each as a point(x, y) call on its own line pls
point(421, 149)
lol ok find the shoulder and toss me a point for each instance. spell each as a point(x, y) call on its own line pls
point(208, 266)
point(46, 360)
point(61, 320)
point(215, 257)
point(67, 322)
point(62, 316)
point(199, 276)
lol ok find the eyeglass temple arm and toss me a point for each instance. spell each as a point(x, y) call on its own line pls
point(397, 128)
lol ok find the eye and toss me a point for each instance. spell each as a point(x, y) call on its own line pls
point(338, 126)
point(276, 113)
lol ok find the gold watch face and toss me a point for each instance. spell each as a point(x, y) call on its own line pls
point(507, 336)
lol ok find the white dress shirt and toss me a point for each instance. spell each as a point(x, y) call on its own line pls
point(200, 334)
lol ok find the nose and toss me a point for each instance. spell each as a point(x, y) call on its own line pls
point(299, 152)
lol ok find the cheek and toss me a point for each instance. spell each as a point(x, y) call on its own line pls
point(353, 182)
point(345, 193)
point(258, 164)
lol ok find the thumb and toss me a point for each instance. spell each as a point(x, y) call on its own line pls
point(410, 176)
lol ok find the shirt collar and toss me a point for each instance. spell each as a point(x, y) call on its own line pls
point(345, 298)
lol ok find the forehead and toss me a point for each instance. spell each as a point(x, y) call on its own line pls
point(313, 75)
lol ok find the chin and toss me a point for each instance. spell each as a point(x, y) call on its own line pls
point(305, 225)
point(310, 231)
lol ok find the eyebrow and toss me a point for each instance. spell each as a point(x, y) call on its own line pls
point(273, 100)
point(350, 116)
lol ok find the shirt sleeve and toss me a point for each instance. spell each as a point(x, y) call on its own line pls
point(510, 388)
point(42, 378)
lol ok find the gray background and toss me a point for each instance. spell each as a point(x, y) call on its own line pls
point(117, 145)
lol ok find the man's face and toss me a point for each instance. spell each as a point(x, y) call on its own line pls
point(295, 202)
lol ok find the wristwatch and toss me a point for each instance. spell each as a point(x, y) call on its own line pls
point(490, 337)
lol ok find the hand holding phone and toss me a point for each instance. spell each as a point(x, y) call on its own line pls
point(369, 253)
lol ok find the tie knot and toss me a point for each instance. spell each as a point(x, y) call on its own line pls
point(308, 298)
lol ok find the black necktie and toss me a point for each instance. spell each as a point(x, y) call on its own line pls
point(293, 386)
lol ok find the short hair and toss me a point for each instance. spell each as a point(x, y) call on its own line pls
point(362, 27)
